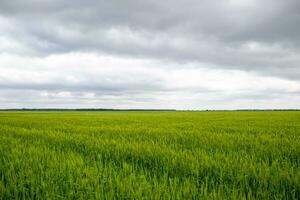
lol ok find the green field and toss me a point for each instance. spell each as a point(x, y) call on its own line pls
point(149, 155)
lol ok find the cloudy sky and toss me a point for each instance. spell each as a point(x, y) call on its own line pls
point(183, 54)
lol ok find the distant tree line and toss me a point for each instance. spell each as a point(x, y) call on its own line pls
point(82, 109)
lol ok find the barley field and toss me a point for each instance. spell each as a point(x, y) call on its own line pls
point(150, 155)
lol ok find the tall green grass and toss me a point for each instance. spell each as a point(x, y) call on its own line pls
point(150, 155)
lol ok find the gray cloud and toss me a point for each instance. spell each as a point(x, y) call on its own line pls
point(252, 36)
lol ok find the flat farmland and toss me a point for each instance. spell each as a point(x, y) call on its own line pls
point(150, 155)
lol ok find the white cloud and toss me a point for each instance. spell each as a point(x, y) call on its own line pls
point(93, 80)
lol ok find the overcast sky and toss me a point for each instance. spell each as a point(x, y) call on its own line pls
point(182, 54)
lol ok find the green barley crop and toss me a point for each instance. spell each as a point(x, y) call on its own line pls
point(149, 155)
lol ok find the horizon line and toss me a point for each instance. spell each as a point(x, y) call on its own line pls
point(140, 109)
